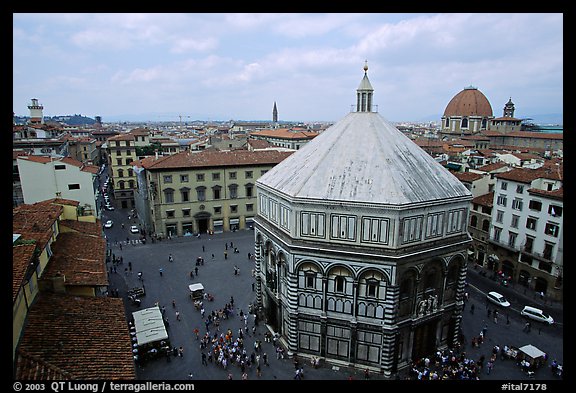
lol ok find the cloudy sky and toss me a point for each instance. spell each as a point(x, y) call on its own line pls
point(235, 66)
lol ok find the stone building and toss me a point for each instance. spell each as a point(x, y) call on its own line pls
point(360, 246)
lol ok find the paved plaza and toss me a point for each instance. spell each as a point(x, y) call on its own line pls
point(219, 279)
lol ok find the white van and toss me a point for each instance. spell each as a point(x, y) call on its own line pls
point(536, 314)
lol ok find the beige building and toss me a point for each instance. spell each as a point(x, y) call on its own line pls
point(47, 177)
point(199, 192)
point(290, 138)
point(121, 154)
point(84, 149)
point(59, 302)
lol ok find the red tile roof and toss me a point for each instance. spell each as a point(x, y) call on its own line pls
point(491, 167)
point(524, 134)
point(467, 176)
point(22, 256)
point(80, 258)
point(555, 194)
point(208, 158)
point(122, 137)
point(34, 222)
point(524, 175)
point(84, 337)
point(286, 133)
point(58, 201)
point(258, 143)
point(32, 368)
point(484, 200)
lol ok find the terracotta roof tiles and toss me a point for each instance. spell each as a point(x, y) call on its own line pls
point(80, 258)
point(523, 175)
point(468, 177)
point(554, 194)
point(22, 256)
point(84, 337)
point(34, 222)
point(208, 158)
point(485, 199)
point(286, 133)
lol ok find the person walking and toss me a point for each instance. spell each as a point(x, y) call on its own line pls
point(160, 271)
point(204, 362)
point(170, 258)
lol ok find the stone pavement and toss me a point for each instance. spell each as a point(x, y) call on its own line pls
point(217, 276)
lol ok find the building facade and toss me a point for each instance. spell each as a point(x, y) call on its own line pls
point(201, 192)
point(526, 233)
point(361, 243)
point(46, 177)
point(289, 138)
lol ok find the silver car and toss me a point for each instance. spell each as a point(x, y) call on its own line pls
point(498, 299)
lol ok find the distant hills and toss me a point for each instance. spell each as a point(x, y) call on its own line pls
point(79, 120)
point(71, 120)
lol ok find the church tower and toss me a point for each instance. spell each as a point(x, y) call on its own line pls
point(509, 108)
point(36, 115)
point(275, 115)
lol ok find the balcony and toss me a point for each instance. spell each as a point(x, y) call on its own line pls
point(546, 255)
point(504, 245)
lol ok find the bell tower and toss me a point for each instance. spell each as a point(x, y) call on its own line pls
point(36, 115)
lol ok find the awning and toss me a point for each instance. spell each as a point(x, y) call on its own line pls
point(234, 221)
point(149, 325)
point(531, 351)
point(196, 287)
point(453, 166)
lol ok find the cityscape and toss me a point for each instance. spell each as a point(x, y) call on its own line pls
point(203, 197)
point(414, 252)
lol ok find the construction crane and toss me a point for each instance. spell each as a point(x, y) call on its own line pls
point(180, 116)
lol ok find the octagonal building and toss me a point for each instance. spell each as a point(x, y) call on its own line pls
point(360, 244)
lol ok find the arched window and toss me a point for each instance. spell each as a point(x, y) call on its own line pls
point(485, 225)
point(473, 221)
point(120, 172)
point(465, 122)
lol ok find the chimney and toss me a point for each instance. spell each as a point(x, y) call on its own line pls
point(58, 283)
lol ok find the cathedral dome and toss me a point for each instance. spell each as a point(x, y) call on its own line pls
point(469, 102)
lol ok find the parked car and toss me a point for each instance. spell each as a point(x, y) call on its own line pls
point(134, 229)
point(536, 314)
point(496, 298)
point(108, 224)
